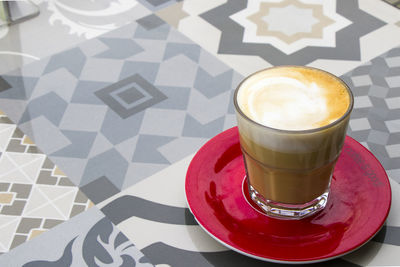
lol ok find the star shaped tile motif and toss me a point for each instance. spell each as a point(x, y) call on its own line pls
point(328, 29)
point(290, 25)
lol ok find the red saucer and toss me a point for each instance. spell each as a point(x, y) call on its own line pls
point(358, 205)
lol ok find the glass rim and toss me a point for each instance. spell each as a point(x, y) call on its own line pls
point(313, 130)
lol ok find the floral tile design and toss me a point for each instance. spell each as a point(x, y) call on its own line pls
point(60, 25)
point(35, 195)
point(88, 239)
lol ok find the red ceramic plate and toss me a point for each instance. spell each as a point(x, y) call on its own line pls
point(358, 205)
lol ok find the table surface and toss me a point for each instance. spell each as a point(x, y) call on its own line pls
point(104, 103)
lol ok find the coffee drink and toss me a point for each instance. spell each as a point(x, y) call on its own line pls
point(292, 124)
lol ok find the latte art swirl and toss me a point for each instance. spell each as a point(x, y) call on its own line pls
point(290, 98)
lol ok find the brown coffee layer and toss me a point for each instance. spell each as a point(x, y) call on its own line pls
point(288, 186)
point(294, 177)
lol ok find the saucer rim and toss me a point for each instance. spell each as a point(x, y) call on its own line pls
point(306, 261)
point(280, 261)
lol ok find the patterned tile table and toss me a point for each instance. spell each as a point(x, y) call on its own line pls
point(107, 103)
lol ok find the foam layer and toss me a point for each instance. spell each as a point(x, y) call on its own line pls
point(293, 98)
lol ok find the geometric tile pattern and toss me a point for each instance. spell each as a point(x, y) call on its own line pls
point(88, 239)
point(375, 120)
point(157, 4)
point(250, 35)
point(143, 96)
point(34, 194)
point(21, 143)
point(130, 96)
point(175, 233)
point(349, 18)
point(126, 112)
point(261, 24)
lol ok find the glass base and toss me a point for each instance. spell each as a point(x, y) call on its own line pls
point(289, 211)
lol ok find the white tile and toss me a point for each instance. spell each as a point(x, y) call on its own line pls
point(361, 80)
point(393, 150)
point(362, 102)
point(393, 126)
point(360, 124)
point(393, 102)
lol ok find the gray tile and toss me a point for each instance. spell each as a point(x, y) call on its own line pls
point(117, 129)
point(213, 86)
point(191, 51)
point(76, 209)
point(50, 223)
point(40, 106)
point(85, 90)
point(157, 4)
point(119, 48)
point(194, 128)
point(130, 95)
point(147, 149)
point(177, 71)
point(99, 189)
point(21, 190)
point(49, 83)
point(73, 167)
point(4, 85)
point(15, 146)
point(147, 70)
point(18, 87)
point(361, 80)
point(181, 147)
point(101, 70)
point(73, 60)
point(15, 208)
point(163, 122)
point(4, 187)
point(18, 240)
point(27, 224)
point(110, 164)
point(177, 97)
point(159, 33)
point(378, 137)
point(150, 22)
point(83, 117)
point(80, 144)
point(111, 96)
point(378, 91)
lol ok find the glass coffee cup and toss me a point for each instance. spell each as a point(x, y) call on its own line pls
point(292, 123)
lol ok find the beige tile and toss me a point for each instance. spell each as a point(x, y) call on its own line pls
point(6, 198)
point(35, 233)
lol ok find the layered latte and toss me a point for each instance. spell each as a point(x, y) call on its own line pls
point(292, 123)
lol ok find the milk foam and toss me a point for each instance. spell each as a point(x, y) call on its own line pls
point(287, 102)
